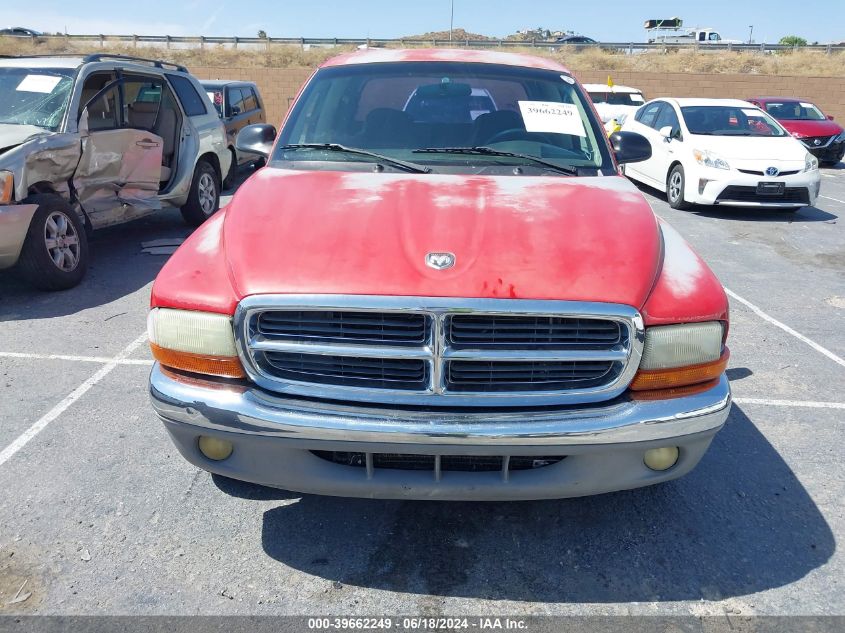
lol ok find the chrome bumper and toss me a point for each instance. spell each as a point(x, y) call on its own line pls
point(275, 438)
point(241, 409)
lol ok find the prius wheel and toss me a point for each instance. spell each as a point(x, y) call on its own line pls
point(675, 185)
point(55, 253)
point(204, 197)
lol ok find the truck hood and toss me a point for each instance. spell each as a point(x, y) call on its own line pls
point(13, 135)
point(767, 148)
point(318, 232)
point(812, 128)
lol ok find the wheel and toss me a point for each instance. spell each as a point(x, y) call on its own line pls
point(675, 188)
point(229, 180)
point(204, 197)
point(55, 253)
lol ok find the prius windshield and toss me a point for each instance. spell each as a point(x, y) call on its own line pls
point(444, 117)
point(730, 121)
point(34, 96)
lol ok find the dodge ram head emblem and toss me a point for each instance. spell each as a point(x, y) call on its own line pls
point(772, 171)
point(440, 261)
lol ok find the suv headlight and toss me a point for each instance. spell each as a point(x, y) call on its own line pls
point(810, 162)
point(709, 159)
point(841, 137)
point(198, 342)
point(681, 355)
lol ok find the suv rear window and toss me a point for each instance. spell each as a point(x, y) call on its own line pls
point(191, 100)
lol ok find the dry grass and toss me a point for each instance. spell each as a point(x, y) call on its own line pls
point(789, 63)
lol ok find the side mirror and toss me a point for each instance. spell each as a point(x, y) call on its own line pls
point(830, 117)
point(666, 132)
point(234, 110)
point(256, 139)
point(630, 147)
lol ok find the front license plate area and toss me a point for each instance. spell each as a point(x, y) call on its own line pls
point(771, 188)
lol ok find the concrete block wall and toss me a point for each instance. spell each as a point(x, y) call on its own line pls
point(280, 85)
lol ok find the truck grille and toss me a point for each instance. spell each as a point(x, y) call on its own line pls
point(439, 352)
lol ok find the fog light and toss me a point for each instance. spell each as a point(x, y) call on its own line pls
point(214, 448)
point(661, 458)
point(702, 183)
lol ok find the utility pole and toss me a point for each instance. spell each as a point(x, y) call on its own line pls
point(451, 20)
point(751, 34)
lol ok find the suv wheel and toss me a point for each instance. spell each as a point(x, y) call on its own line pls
point(204, 197)
point(675, 184)
point(55, 253)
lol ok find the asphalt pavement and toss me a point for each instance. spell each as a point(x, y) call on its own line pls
point(101, 515)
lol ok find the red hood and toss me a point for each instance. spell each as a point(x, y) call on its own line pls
point(316, 232)
point(812, 128)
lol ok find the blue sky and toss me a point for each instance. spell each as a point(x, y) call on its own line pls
point(609, 20)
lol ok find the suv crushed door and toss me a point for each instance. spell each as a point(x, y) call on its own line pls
point(120, 169)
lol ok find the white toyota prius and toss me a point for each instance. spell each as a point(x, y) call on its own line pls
point(722, 152)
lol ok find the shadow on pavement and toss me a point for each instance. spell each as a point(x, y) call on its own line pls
point(738, 524)
point(117, 267)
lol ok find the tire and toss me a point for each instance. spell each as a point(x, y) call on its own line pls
point(204, 197)
point(229, 180)
point(675, 185)
point(55, 252)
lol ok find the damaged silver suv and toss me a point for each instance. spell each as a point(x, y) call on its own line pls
point(94, 141)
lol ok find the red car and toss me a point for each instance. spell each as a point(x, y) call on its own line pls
point(440, 307)
point(823, 138)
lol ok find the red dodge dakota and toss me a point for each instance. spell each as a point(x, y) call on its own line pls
point(462, 299)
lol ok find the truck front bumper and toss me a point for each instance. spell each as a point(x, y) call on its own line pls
point(335, 449)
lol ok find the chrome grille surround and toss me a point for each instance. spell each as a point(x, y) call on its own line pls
point(436, 351)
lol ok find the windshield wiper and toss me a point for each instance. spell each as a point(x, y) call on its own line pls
point(489, 151)
point(335, 147)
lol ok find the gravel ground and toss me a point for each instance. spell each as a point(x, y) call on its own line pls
point(101, 515)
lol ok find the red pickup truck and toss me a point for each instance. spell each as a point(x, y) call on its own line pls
point(461, 306)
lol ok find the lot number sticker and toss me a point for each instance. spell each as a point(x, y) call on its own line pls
point(38, 83)
point(556, 118)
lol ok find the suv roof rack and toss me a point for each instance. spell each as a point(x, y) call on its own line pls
point(96, 57)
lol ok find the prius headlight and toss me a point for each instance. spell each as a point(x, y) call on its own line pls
point(811, 163)
point(709, 159)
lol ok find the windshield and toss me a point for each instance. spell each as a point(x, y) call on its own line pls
point(794, 111)
point(35, 96)
point(618, 98)
point(730, 121)
point(397, 109)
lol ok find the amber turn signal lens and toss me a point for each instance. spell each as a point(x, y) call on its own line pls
point(224, 366)
point(650, 379)
point(7, 187)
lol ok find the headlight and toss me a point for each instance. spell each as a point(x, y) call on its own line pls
point(709, 159)
point(841, 137)
point(199, 342)
point(681, 355)
point(810, 162)
point(7, 187)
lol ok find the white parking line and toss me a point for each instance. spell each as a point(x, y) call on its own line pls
point(787, 329)
point(77, 359)
point(810, 404)
point(72, 397)
point(834, 199)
